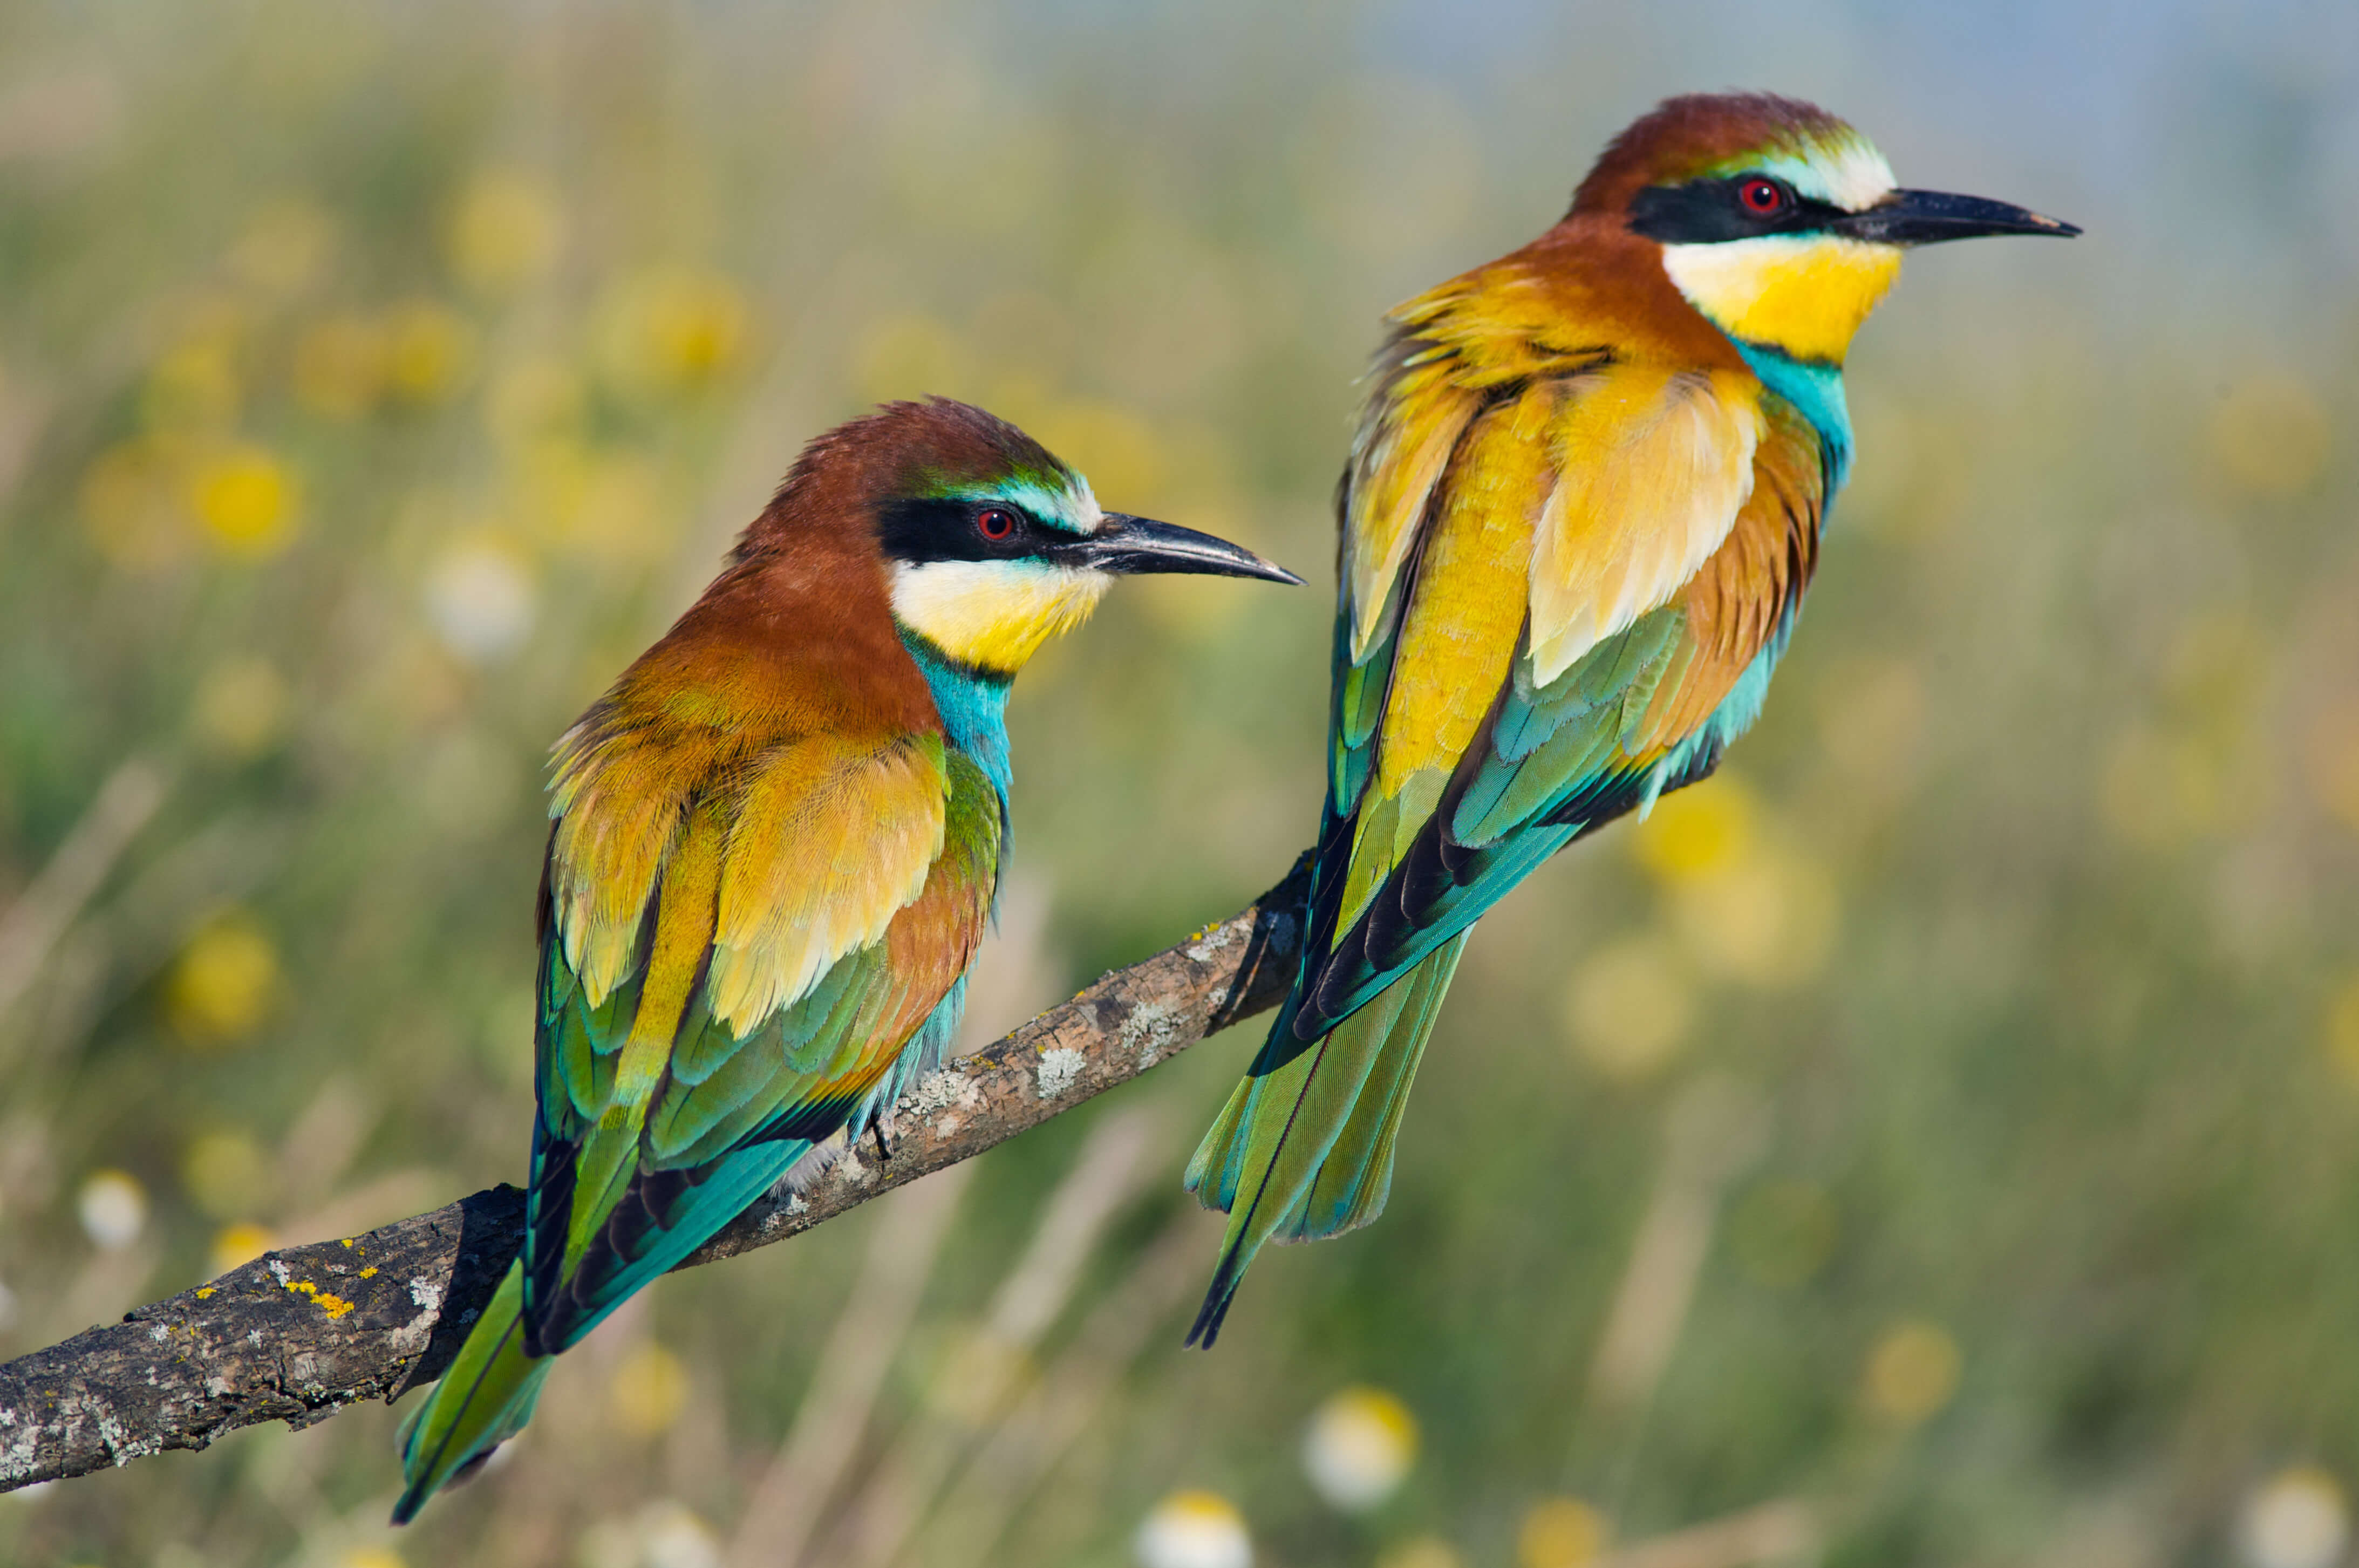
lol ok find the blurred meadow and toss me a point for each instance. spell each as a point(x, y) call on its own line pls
point(1936, 1141)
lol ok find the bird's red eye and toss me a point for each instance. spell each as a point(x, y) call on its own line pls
point(1761, 197)
point(995, 524)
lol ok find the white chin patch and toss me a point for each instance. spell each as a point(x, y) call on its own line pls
point(993, 615)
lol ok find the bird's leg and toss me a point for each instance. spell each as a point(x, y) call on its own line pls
point(883, 1128)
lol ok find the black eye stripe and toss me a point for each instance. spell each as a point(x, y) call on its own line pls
point(1709, 212)
point(924, 530)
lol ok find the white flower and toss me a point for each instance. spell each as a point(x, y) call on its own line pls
point(114, 1208)
point(479, 598)
point(1360, 1446)
point(2295, 1519)
point(1194, 1530)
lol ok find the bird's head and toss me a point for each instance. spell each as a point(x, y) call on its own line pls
point(1779, 222)
point(992, 545)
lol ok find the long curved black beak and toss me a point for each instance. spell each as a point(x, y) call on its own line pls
point(1930, 217)
point(1134, 545)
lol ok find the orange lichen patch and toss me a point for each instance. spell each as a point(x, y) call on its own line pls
point(334, 1305)
point(203, 1290)
point(369, 1272)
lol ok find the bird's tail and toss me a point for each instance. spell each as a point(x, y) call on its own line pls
point(481, 1402)
point(1304, 1148)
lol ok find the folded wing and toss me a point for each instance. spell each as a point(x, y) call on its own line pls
point(730, 978)
point(1578, 620)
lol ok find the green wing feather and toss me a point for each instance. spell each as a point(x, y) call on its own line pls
point(634, 1170)
point(1304, 1148)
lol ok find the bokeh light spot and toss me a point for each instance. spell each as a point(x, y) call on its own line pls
point(674, 331)
point(1912, 1372)
point(1698, 832)
point(649, 1391)
point(1423, 1551)
point(1359, 1447)
point(112, 1208)
point(429, 350)
point(371, 1557)
point(235, 1246)
point(225, 1173)
point(2298, 1519)
point(1194, 1530)
point(225, 982)
point(506, 231)
point(662, 1535)
point(481, 601)
point(241, 708)
point(245, 500)
point(1561, 1532)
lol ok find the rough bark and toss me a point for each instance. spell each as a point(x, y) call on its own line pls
point(303, 1331)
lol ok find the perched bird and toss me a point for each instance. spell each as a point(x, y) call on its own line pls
point(776, 841)
point(1578, 519)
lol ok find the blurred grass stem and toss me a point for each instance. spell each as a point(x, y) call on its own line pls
point(33, 925)
point(820, 1446)
point(973, 1384)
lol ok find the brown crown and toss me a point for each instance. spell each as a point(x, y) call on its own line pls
point(1683, 137)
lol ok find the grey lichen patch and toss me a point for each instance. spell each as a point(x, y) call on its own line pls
point(1150, 1028)
point(1060, 1067)
point(940, 1091)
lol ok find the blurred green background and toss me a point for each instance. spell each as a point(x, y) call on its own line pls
point(1935, 1141)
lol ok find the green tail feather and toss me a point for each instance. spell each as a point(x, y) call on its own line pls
point(481, 1402)
point(1304, 1148)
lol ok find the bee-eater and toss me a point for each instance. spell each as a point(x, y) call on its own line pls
point(775, 843)
point(1578, 518)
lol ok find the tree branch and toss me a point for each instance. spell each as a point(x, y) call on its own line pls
point(300, 1334)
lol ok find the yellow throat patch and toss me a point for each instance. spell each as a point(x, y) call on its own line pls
point(993, 615)
point(1804, 294)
